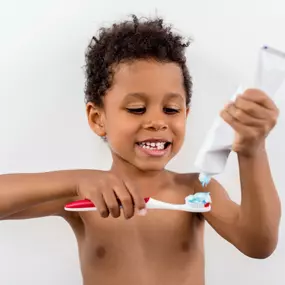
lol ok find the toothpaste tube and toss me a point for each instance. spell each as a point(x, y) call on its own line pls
point(270, 75)
point(212, 156)
point(214, 152)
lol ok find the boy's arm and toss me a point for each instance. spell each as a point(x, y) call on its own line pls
point(25, 196)
point(253, 225)
point(51, 208)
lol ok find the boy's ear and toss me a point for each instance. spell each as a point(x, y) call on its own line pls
point(187, 111)
point(96, 119)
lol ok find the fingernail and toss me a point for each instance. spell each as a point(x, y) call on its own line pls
point(142, 212)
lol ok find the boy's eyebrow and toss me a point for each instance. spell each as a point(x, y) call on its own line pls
point(138, 95)
point(175, 95)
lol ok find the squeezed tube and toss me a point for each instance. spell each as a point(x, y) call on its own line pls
point(217, 146)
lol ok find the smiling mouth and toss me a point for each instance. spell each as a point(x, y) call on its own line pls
point(151, 145)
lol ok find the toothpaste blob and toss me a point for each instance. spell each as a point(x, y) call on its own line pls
point(214, 152)
point(199, 198)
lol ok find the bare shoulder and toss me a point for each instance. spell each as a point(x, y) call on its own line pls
point(222, 205)
point(186, 181)
point(190, 182)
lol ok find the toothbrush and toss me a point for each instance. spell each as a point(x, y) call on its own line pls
point(197, 203)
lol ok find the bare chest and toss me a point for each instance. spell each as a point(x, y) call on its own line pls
point(163, 247)
point(157, 235)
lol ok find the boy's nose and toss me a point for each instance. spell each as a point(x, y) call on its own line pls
point(158, 125)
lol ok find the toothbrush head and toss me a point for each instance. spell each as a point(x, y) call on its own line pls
point(199, 200)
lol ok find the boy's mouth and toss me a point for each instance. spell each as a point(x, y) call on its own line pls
point(154, 147)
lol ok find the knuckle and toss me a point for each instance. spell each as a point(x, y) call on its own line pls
point(126, 200)
point(101, 184)
point(115, 212)
point(138, 199)
point(274, 120)
point(259, 133)
point(225, 115)
point(263, 131)
point(266, 131)
point(240, 102)
point(141, 205)
point(129, 184)
point(113, 207)
point(112, 177)
point(272, 123)
point(249, 108)
point(103, 213)
point(140, 202)
point(239, 114)
point(129, 214)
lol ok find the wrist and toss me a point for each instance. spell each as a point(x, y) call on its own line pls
point(71, 180)
point(79, 178)
point(253, 152)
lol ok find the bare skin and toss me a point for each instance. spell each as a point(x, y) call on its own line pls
point(162, 247)
point(146, 101)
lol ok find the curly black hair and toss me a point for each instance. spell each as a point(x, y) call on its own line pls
point(127, 41)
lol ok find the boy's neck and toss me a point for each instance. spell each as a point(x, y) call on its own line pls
point(152, 181)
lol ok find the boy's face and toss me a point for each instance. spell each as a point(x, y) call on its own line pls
point(144, 114)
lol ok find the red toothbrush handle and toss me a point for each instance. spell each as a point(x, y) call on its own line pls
point(80, 204)
point(86, 203)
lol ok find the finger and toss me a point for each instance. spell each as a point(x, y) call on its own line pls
point(126, 199)
point(234, 123)
point(259, 97)
point(251, 108)
point(98, 199)
point(138, 200)
point(243, 117)
point(112, 202)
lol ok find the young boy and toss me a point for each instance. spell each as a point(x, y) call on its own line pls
point(137, 97)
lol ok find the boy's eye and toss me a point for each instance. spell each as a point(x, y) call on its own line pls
point(170, 111)
point(137, 111)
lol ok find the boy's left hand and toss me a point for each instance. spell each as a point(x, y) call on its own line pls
point(253, 115)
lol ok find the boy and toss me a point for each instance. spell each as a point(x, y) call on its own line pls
point(138, 92)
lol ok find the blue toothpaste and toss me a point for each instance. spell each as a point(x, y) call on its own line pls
point(201, 197)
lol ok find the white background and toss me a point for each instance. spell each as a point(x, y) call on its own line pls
point(43, 125)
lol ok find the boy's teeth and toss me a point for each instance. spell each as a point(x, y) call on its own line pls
point(153, 145)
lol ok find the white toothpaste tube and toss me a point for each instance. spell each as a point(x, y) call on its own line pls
point(214, 152)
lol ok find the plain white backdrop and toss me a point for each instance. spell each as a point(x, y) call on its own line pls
point(43, 125)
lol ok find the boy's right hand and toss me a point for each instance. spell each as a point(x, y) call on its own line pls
point(108, 192)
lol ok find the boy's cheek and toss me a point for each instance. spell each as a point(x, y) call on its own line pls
point(120, 139)
point(179, 130)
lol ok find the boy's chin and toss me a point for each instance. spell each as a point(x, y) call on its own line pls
point(151, 166)
point(143, 163)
